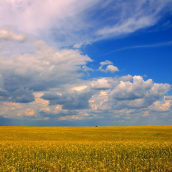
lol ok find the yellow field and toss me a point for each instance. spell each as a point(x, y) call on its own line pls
point(86, 149)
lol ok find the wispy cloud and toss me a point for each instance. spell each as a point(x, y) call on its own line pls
point(141, 46)
point(73, 22)
point(146, 46)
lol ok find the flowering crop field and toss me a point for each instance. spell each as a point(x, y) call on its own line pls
point(74, 149)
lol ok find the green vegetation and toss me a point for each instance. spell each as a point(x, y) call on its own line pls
point(84, 149)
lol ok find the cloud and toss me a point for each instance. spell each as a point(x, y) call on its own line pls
point(139, 94)
point(106, 62)
point(63, 16)
point(100, 84)
point(70, 101)
point(78, 45)
point(131, 91)
point(73, 22)
point(109, 68)
point(169, 43)
point(23, 95)
point(128, 26)
point(168, 97)
point(57, 114)
point(140, 14)
point(9, 35)
point(86, 68)
point(4, 93)
point(161, 106)
point(112, 69)
point(45, 68)
point(126, 78)
point(81, 44)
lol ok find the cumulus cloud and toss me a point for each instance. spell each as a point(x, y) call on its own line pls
point(161, 106)
point(126, 78)
point(9, 35)
point(136, 94)
point(100, 84)
point(131, 91)
point(46, 68)
point(86, 68)
point(70, 101)
point(109, 68)
point(112, 69)
point(3, 93)
point(23, 96)
point(106, 62)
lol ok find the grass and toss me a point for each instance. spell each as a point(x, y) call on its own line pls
point(84, 149)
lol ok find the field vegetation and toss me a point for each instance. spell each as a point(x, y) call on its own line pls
point(86, 149)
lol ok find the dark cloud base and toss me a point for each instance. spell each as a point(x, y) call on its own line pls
point(78, 123)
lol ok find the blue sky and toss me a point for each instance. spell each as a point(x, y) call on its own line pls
point(85, 63)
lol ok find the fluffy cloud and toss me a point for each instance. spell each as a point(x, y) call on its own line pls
point(70, 101)
point(106, 62)
point(23, 96)
point(100, 84)
point(112, 69)
point(161, 106)
point(85, 68)
point(131, 91)
point(4, 93)
point(7, 34)
point(109, 68)
point(126, 78)
point(139, 94)
point(46, 68)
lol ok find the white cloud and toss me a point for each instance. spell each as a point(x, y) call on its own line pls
point(100, 84)
point(73, 21)
point(112, 68)
point(126, 78)
point(139, 94)
point(38, 17)
point(109, 68)
point(106, 62)
point(134, 16)
point(128, 26)
point(9, 35)
point(78, 45)
point(46, 68)
point(81, 44)
point(86, 68)
point(163, 106)
point(139, 89)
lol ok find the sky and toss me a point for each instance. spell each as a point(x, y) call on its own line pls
point(85, 63)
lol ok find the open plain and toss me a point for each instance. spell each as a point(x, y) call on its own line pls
point(68, 149)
